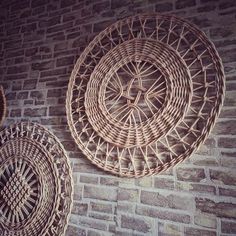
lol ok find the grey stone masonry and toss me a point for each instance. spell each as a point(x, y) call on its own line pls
point(40, 41)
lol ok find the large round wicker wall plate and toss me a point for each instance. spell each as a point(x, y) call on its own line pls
point(144, 94)
point(2, 105)
point(35, 182)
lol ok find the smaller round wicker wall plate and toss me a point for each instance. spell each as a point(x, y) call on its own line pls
point(144, 94)
point(2, 105)
point(35, 182)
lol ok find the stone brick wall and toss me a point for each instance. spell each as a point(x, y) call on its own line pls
point(40, 41)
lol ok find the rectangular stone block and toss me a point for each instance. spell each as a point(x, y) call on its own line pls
point(227, 142)
point(227, 4)
point(100, 193)
point(16, 77)
point(168, 200)
point(16, 85)
point(101, 6)
point(65, 61)
point(205, 220)
point(125, 207)
point(44, 65)
point(197, 232)
point(31, 51)
point(30, 84)
point(14, 53)
point(54, 93)
point(35, 112)
point(228, 227)
point(190, 174)
point(66, 3)
point(78, 192)
point(101, 207)
point(230, 99)
point(57, 111)
point(15, 113)
point(101, 216)
point(109, 181)
point(225, 127)
point(28, 28)
point(80, 208)
point(125, 194)
point(227, 177)
point(93, 233)
point(117, 4)
point(92, 223)
point(227, 192)
point(88, 179)
point(73, 230)
point(163, 214)
point(22, 95)
point(195, 187)
point(17, 69)
point(207, 8)
point(219, 209)
point(60, 71)
point(135, 223)
point(13, 44)
point(39, 3)
point(184, 3)
point(163, 183)
point(39, 95)
point(60, 27)
point(164, 7)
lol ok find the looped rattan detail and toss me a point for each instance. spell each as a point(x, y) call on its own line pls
point(2, 105)
point(35, 182)
point(144, 94)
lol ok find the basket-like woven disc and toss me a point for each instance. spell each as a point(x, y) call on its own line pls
point(35, 182)
point(144, 94)
point(2, 105)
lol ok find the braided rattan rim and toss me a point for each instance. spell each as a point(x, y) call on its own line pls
point(36, 182)
point(85, 114)
point(2, 105)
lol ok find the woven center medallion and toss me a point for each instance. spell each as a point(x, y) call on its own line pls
point(128, 106)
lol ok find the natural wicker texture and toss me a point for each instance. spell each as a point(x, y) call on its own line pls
point(2, 105)
point(144, 94)
point(35, 182)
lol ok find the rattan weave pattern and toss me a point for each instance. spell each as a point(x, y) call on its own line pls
point(2, 105)
point(35, 182)
point(144, 94)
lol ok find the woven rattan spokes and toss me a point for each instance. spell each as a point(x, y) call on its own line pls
point(2, 105)
point(144, 94)
point(35, 182)
point(127, 95)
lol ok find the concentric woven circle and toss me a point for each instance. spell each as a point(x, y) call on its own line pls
point(118, 125)
point(144, 94)
point(35, 182)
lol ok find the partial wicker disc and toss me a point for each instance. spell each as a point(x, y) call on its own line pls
point(144, 94)
point(35, 182)
point(2, 105)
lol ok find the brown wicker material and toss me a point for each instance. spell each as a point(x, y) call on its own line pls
point(35, 182)
point(144, 94)
point(2, 105)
